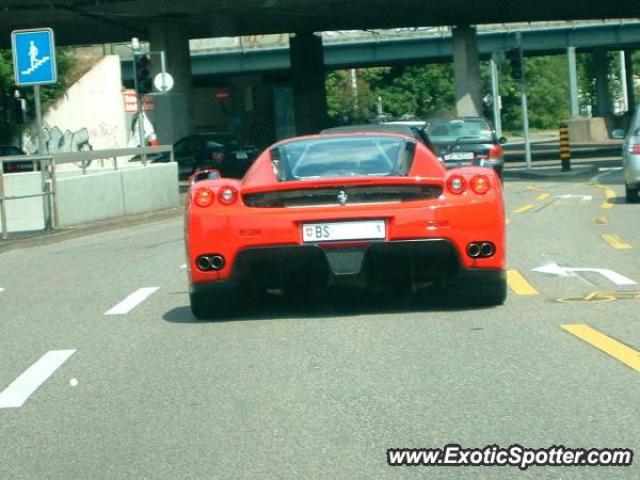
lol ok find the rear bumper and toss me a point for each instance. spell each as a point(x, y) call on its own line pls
point(400, 264)
point(632, 169)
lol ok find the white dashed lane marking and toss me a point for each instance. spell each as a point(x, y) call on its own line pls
point(132, 301)
point(28, 382)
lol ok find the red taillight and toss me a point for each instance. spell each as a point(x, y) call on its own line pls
point(227, 195)
point(495, 152)
point(634, 148)
point(456, 184)
point(203, 197)
point(480, 184)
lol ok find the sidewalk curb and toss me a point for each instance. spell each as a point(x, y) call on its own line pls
point(39, 239)
point(551, 173)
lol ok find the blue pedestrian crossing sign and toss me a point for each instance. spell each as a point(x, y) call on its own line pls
point(34, 56)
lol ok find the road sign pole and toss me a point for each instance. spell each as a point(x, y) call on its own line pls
point(163, 70)
point(140, 123)
point(36, 95)
point(495, 91)
point(523, 98)
point(46, 185)
point(141, 136)
point(3, 207)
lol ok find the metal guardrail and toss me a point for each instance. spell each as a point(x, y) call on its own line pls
point(47, 164)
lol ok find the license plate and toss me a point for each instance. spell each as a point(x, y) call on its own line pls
point(328, 232)
point(459, 156)
point(242, 155)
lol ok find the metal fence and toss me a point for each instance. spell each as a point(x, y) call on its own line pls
point(46, 164)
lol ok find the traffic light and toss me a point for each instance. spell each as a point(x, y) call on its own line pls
point(516, 63)
point(143, 82)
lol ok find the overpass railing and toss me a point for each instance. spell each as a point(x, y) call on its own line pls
point(47, 164)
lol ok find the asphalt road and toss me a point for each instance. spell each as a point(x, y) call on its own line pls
point(320, 390)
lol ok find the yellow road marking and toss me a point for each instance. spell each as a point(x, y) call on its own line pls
point(524, 208)
point(535, 189)
point(609, 195)
point(591, 296)
point(601, 220)
point(608, 345)
point(542, 196)
point(519, 284)
point(507, 221)
point(616, 242)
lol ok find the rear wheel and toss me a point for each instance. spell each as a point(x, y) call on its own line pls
point(476, 293)
point(216, 303)
point(632, 194)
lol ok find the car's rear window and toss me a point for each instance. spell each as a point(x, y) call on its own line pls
point(220, 140)
point(343, 156)
point(461, 131)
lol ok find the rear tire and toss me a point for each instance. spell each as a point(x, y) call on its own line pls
point(632, 194)
point(215, 303)
point(476, 293)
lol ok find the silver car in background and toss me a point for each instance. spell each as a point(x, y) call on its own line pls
point(631, 160)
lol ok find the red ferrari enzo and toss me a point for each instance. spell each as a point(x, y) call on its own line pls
point(369, 209)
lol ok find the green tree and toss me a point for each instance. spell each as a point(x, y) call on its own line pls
point(547, 93)
point(346, 104)
point(420, 90)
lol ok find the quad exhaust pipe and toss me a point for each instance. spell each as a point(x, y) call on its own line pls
point(487, 249)
point(481, 249)
point(212, 262)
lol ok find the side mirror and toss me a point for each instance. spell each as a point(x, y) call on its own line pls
point(502, 140)
point(618, 134)
point(211, 174)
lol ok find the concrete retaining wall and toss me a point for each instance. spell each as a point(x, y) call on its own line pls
point(89, 197)
point(585, 130)
point(24, 214)
point(95, 196)
point(115, 193)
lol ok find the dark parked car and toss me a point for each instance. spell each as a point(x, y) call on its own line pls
point(414, 130)
point(13, 167)
point(219, 150)
point(467, 141)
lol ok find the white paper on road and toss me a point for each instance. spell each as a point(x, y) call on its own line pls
point(555, 269)
point(132, 301)
point(22, 387)
point(1, 289)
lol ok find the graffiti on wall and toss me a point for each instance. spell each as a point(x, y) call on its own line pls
point(57, 141)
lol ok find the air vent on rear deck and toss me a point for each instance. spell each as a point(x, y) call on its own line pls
point(336, 196)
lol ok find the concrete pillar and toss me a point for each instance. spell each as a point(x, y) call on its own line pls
point(601, 70)
point(466, 66)
point(307, 70)
point(173, 114)
point(631, 92)
point(573, 82)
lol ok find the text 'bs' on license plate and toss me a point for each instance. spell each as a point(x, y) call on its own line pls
point(327, 232)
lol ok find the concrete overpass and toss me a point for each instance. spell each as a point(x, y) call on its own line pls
point(430, 48)
point(102, 21)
